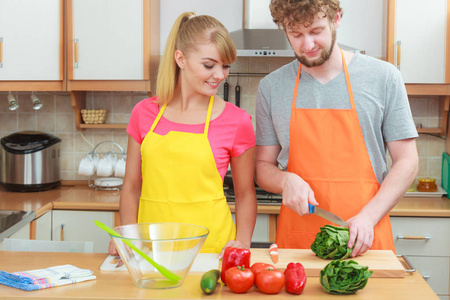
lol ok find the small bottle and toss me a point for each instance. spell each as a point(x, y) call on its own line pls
point(427, 184)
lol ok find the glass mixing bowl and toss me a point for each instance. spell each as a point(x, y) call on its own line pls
point(172, 245)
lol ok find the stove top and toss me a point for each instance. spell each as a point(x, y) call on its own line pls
point(262, 196)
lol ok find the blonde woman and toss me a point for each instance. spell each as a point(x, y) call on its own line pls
point(182, 140)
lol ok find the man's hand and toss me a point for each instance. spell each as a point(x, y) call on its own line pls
point(361, 233)
point(297, 194)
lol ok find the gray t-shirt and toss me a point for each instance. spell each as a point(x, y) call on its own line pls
point(380, 99)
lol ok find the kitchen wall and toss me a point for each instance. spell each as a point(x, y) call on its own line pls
point(56, 117)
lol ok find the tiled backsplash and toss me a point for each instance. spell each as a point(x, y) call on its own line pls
point(56, 117)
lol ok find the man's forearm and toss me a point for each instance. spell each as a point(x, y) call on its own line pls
point(394, 186)
point(269, 177)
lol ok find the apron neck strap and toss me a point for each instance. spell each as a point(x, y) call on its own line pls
point(208, 116)
point(161, 111)
point(347, 79)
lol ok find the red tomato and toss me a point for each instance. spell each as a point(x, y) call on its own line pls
point(239, 279)
point(258, 267)
point(270, 281)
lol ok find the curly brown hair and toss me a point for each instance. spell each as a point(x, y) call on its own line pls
point(290, 13)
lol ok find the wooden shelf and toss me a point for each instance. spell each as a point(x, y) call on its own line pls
point(428, 89)
point(78, 99)
point(430, 130)
point(103, 126)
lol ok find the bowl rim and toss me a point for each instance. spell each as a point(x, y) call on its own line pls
point(155, 240)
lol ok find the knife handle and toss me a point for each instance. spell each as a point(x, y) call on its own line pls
point(311, 208)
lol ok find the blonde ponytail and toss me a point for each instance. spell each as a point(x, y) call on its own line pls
point(168, 69)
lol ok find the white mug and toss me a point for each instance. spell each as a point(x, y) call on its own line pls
point(120, 167)
point(106, 166)
point(86, 167)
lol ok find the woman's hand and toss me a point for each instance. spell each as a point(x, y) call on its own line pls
point(112, 249)
point(235, 244)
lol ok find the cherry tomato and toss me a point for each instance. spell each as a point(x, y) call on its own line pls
point(258, 267)
point(270, 281)
point(239, 279)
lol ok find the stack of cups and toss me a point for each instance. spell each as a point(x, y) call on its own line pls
point(88, 165)
point(107, 166)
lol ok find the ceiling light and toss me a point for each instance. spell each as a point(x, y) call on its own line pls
point(37, 105)
point(13, 105)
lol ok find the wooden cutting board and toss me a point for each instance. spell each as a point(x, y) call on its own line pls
point(383, 263)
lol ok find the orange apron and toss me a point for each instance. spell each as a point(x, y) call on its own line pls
point(327, 150)
point(181, 183)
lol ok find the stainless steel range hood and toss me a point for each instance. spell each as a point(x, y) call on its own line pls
point(261, 42)
point(259, 35)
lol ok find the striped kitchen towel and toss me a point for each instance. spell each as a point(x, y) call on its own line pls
point(45, 278)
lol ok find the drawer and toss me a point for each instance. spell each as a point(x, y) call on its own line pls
point(435, 271)
point(436, 229)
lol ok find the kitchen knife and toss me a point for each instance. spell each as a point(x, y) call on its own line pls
point(326, 215)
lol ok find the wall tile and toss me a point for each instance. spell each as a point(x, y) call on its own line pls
point(259, 65)
point(48, 102)
point(436, 146)
point(63, 103)
point(422, 145)
point(241, 65)
point(27, 121)
point(9, 121)
point(46, 122)
point(419, 106)
point(65, 122)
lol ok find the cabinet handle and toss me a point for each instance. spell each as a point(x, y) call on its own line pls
point(75, 52)
point(408, 263)
point(426, 277)
point(62, 232)
point(401, 237)
point(1, 52)
point(399, 53)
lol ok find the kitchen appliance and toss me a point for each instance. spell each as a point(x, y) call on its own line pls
point(261, 37)
point(262, 196)
point(30, 161)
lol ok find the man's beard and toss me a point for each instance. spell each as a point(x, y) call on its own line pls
point(323, 57)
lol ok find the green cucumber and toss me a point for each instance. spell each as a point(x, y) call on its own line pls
point(209, 281)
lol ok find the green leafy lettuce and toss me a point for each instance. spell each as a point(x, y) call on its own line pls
point(344, 277)
point(331, 243)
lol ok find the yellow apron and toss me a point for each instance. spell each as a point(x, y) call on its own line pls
point(181, 183)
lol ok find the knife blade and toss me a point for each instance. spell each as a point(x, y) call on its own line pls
point(326, 215)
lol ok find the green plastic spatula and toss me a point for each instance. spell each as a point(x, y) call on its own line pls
point(163, 270)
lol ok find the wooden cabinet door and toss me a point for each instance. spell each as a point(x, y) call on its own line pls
point(108, 38)
point(418, 46)
point(31, 44)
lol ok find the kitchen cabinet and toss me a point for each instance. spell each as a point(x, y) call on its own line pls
point(110, 47)
point(421, 51)
point(418, 36)
point(71, 225)
point(426, 244)
point(31, 45)
point(41, 228)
